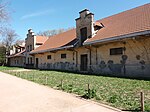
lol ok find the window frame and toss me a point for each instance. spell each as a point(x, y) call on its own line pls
point(116, 51)
point(30, 48)
point(31, 60)
point(83, 34)
point(63, 56)
point(49, 57)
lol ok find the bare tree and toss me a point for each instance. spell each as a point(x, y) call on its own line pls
point(19, 41)
point(3, 12)
point(4, 17)
point(2, 55)
point(50, 33)
point(9, 38)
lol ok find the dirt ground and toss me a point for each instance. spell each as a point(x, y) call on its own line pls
point(20, 70)
point(19, 95)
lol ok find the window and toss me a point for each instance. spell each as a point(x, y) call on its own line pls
point(63, 55)
point(83, 32)
point(30, 47)
point(116, 51)
point(31, 60)
point(49, 57)
point(15, 62)
point(28, 60)
point(27, 48)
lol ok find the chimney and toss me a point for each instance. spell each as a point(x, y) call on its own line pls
point(84, 26)
point(30, 33)
point(30, 30)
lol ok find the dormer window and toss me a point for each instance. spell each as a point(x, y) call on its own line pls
point(30, 47)
point(98, 26)
point(83, 32)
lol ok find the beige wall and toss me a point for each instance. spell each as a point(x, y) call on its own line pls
point(102, 61)
point(17, 61)
point(56, 62)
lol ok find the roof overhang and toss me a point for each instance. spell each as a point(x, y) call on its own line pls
point(15, 56)
point(131, 35)
point(54, 49)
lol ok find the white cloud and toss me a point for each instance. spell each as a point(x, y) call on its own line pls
point(35, 14)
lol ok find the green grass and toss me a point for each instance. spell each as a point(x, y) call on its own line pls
point(117, 92)
point(3, 68)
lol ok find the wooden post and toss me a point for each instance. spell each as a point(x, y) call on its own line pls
point(88, 90)
point(18, 74)
point(142, 102)
point(46, 80)
point(61, 83)
point(33, 77)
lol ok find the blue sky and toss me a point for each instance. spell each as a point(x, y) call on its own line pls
point(41, 15)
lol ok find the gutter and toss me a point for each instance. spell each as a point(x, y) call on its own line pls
point(48, 50)
point(118, 37)
point(59, 48)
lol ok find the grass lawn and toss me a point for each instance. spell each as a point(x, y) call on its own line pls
point(118, 92)
point(4, 68)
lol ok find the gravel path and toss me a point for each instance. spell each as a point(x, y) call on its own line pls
point(19, 95)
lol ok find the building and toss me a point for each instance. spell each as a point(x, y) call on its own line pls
point(17, 55)
point(118, 45)
point(32, 42)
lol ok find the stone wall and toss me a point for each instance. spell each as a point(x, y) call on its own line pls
point(17, 61)
point(56, 62)
point(30, 40)
point(86, 19)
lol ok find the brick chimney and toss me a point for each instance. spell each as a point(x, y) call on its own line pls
point(84, 26)
point(30, 33)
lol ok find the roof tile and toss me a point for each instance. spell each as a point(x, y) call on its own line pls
point(127, 22)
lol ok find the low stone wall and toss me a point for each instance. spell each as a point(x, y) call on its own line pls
point(58, 66)
point(120, 70)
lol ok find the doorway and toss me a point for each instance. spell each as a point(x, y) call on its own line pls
point(84, 62)
point(37, 62)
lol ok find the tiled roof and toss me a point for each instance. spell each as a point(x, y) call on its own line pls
point(41, 39)
point(57, 41)
point(128, 22)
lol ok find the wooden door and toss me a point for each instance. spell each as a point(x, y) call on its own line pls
point(37, 62)
point(84, 62)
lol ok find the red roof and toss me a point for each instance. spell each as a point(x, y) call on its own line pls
point(130, 21)
point(57, 41)
point(41, 39)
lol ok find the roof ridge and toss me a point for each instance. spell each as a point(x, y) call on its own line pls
point(123, 12)
point(63, 32)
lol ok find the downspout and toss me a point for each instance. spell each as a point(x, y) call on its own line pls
point(90, 58)
point(54, 62)
point(76, 58)
point(96, 56)
point(124, 66)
